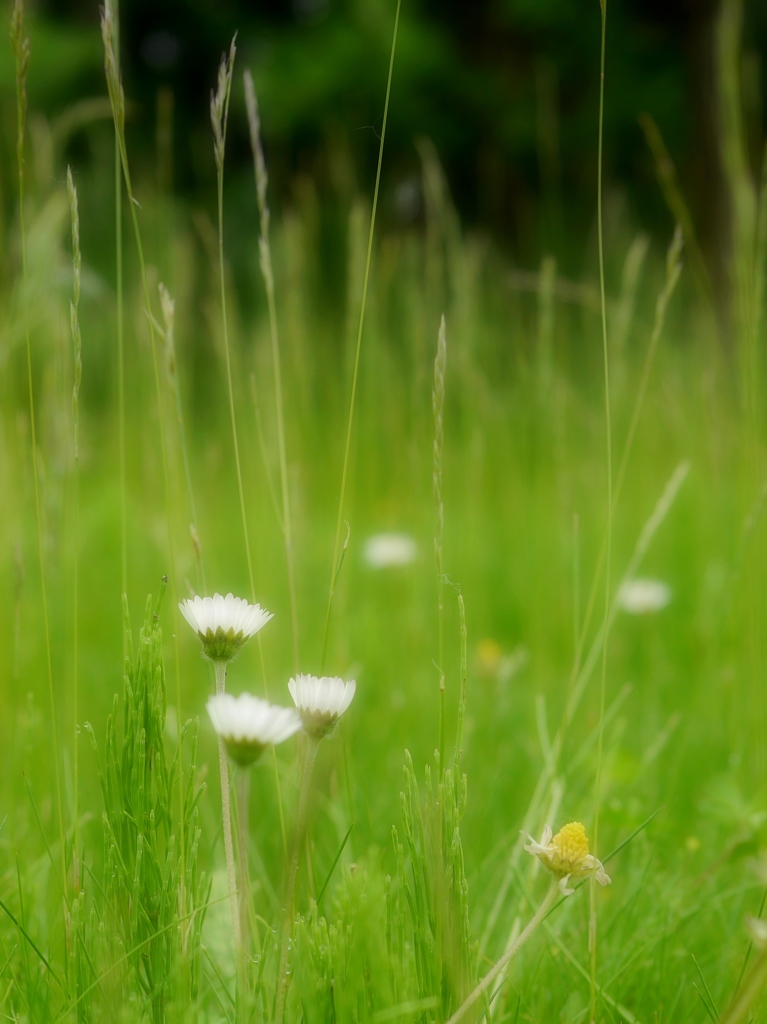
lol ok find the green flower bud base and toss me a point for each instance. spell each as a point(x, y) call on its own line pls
point(221, 645)
point(317, 724)
point(243, 752)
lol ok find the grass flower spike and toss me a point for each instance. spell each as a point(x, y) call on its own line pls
point(223, 624)
point(321, 701)
point(247, 724)
point(567, 856)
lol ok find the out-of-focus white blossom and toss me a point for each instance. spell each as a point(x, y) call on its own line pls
point(642, 596)
point(384, 550)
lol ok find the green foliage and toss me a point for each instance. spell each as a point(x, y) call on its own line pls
point(154, 896)
point(433, 880)
point(133, 925)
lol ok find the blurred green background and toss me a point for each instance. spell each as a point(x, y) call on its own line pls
point(488, 214)
point(505, 90)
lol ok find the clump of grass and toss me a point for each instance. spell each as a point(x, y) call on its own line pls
point(153, 897)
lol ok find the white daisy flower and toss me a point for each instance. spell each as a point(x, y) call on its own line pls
point(247, 724)
point(223, 624)
point(567, 855)
point(321, 702)
point(383, 550)
point(642, 596)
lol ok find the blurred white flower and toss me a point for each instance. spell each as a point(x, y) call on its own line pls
point(757, 930)
point(642, 596)
point(247, 724)
point(383, 550)
point(567, 855)
point(223, 624)
point(321, 702)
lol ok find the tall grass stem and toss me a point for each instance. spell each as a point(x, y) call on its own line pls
point(361, 323)
point(438, 412)
point(464, 681)
point(78, 372)
point(265, 254)
point(609, 526)
point(117, 102)
point(118, 186)
point(168, 307)
point(21, 54)
point(546, 905)
point(219, 116)
point(219, 113)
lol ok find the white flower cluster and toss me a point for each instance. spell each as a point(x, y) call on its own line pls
point(248, 724)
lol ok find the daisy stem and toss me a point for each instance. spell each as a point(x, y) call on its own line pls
point(243, 787)
point(290, 889)
point(548, 902)
point(226, 813)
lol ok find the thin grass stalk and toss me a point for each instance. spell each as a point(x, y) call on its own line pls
point(21, 54)
point(117, 102)
point(672, 194)
point(438, 411)
point(576, 592)
point(168, 307)
point(464, 682)
point(337, 553)
point(120, 330)
point(219, 116)
point(593, 987)
point(312, 746)
point(265, 254)
point(546, 905)
point(673, 271)
point(263, 448)
point(743, 267)
point(761, 252)
point(749, 991)
point(78, 373)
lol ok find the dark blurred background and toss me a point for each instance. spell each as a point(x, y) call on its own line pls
point(506, 90)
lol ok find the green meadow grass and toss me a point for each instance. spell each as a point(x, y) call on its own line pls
point(412, 882)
